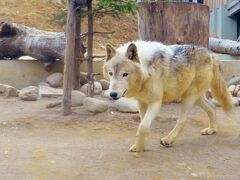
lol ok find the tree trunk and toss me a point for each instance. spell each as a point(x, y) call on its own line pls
point(225, 46)
point(174, 23)
point(69, 58)
point(17, 40)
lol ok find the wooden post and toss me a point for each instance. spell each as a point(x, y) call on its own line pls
point(78, 54)
point(90, 51)
point(69, 58)
point(174, 23)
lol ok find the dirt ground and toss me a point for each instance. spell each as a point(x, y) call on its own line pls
point(39, 143)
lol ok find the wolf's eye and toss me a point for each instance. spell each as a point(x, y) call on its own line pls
point(125, 74)
point(110, 73)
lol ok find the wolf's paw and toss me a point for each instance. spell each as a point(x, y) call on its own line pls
point(208, 131)
point(135, 148)
point(166, 141)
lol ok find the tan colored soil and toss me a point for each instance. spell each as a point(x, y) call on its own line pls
point(39, 143)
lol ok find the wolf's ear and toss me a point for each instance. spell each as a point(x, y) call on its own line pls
point(110, 52)
point(132, 53)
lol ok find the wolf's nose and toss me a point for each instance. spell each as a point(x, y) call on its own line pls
point(113, 94)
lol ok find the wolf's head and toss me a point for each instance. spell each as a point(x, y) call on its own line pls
point(122, 68)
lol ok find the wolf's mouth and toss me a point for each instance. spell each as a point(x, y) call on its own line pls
point(116, 98)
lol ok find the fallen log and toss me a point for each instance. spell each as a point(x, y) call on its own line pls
point(224, 46)
point(18, 40)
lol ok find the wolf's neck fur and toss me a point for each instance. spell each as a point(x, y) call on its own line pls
point(147, 51)
point(139, 84)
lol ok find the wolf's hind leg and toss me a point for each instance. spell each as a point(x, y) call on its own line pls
point(211, 111)
point(186, 105)
point(144, 127)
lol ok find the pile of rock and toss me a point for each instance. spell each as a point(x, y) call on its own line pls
point(27, 94)
point(233, 88)
point(100, 103)
point(52, 88)
point(94, 105)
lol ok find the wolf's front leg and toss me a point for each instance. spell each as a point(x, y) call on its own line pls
point(144, 127)
point(142, 109)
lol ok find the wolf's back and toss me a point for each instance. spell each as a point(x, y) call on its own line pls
point(219, 88)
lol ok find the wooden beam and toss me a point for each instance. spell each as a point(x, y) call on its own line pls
point(69, 58)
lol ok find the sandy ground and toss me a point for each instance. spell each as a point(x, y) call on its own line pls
point(39, 143)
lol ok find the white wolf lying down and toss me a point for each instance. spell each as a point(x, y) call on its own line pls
point(154, 73)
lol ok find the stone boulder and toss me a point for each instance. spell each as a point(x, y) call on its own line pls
point(11, 92)
point(126, 105)
point(231, 88)
point(47, 91)
point(8, 91)
point(77, 98)
point(55, 80)
point(97, 88)
point(29, 93)
point(53, 104)
point(234, 80)
point(95, 105)
point(83, 78)
point(236, 101)
point(3, 88)
point(234, 90)
point(105, 84)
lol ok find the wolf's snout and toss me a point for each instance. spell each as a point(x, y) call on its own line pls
point(113, 94)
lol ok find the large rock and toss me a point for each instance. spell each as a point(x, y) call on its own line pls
point(77, 98)
point(105, 84)
point(11, 92)
point(55, 80)
point(46, 91)
point(126, 105)
point(97, 88)
point(236, 101)
point(231, 88)
point(53, 104)
point(2, 88)
point(8, 91)
point(29, 93)
point(44, 84)
point(234, 90)
point(95, 105)
point(234, 80)
point(83, 78)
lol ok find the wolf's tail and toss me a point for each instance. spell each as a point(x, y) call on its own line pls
point(219, 89)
